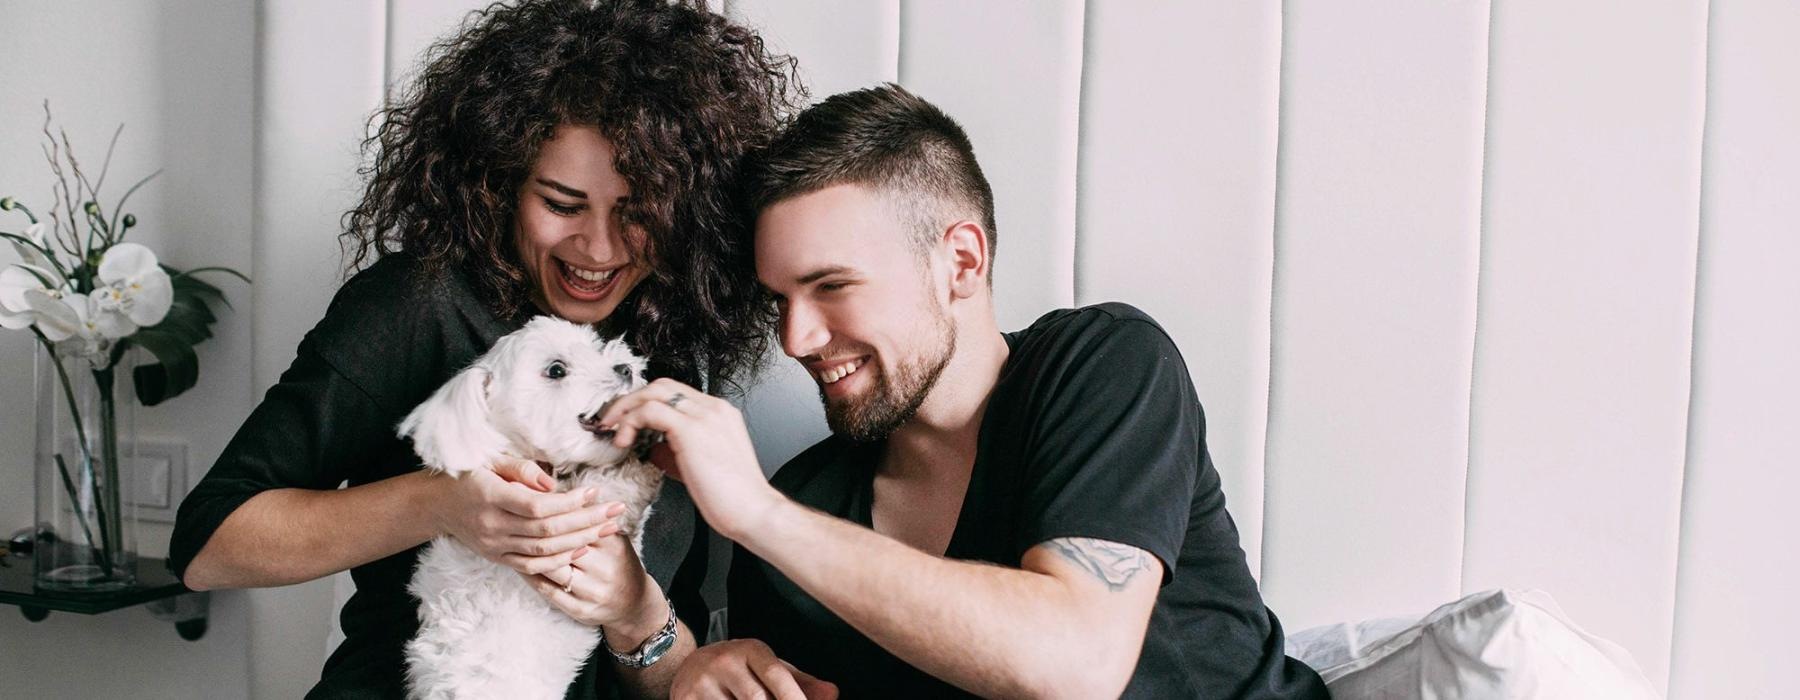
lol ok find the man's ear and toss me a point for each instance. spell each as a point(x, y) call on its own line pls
point(966, 246)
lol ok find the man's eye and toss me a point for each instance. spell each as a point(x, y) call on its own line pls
point(556, 370)
point(832, 286)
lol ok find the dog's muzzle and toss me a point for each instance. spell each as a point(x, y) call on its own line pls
point(640, 449)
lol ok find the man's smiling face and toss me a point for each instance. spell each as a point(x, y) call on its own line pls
point(861, 308)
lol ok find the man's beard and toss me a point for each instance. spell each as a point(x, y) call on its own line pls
point(895, 398)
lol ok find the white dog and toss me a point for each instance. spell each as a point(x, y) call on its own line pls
point(484, 633)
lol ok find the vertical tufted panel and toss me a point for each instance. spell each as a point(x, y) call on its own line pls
point(1177, 201)
point(310, 123)
point(1319, 201)
point(1581, 361)
point(311, 110)
point(1376, 238)
point(1734, 606)
point(413, 26)
point(840, 47)
point(1010, 72)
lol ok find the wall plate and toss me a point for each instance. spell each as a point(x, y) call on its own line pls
point(161, 471)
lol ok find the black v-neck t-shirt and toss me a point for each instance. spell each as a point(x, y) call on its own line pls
point(1092, 430)
point(392, 336)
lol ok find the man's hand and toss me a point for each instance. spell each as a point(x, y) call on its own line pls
point(508, 516)
point(742, 669)
point(709, 448)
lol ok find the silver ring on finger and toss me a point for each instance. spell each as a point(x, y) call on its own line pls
point(675, 400)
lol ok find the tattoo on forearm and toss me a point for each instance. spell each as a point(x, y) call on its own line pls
point(1111, 563)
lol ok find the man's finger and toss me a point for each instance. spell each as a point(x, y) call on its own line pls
point(777, 677)
point(651, 415)
point(659, 391)
point(654, 393)
point(814, 688)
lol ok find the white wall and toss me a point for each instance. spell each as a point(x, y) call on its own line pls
point(1475, 294)
point(180, 77)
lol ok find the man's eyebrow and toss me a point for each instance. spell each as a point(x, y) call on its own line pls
point(565, 189)
point(822, 273)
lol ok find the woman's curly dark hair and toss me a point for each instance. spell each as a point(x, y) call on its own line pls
point(682, 93)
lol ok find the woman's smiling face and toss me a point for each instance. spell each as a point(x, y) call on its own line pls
point(581, 256)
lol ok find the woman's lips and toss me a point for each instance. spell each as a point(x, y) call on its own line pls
point(580, 288)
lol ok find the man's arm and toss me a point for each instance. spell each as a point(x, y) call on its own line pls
point(1069, 623)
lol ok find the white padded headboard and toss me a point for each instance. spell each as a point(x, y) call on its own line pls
point(1475, 294)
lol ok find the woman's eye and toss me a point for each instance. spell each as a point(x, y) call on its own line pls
point(560, 209)
point(556, 370)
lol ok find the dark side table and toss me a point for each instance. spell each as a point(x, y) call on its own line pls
point(167, 599)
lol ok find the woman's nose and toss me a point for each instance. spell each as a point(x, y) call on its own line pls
point(600, 240)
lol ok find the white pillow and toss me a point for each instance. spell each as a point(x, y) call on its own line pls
point(1493, 644)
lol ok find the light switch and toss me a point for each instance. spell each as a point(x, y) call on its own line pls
point(160, 471)
point(152, 481)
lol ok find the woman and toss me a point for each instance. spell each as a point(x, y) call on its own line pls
point(559, 157)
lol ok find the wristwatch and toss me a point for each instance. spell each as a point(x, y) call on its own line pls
point(650, 651)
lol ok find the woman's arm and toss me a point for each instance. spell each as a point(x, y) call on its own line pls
point(289, 535)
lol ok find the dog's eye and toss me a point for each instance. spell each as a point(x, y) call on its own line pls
point(556, 370)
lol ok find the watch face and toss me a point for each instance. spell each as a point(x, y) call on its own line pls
point(657, 648)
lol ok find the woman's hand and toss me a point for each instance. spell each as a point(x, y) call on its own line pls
point(745, 668)
point(509, 517)
point(607, 587)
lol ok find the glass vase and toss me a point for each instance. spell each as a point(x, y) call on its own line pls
point(86, 445)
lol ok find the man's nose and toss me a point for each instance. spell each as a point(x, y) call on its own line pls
point(802, 331)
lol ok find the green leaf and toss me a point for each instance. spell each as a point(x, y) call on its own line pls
point(194, 287)
point(227, 270)
point(189, 320)
point(177, 368)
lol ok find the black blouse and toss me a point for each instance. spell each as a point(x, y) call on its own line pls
point(391, 336)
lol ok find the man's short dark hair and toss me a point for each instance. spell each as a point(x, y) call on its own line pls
point(886, 139)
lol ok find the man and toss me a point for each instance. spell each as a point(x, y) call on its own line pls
point(1022, 515)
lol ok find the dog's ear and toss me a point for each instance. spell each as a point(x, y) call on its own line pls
point(451, 430)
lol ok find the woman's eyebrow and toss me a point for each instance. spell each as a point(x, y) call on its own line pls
point(565, 189)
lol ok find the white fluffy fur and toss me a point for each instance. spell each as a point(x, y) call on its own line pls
point(484, 633)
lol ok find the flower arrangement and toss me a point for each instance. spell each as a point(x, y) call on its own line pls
point(90, 297)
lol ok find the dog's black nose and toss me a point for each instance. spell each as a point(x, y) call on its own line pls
point(623, 370)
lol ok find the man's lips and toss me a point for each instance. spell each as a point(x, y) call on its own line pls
point(834, 371)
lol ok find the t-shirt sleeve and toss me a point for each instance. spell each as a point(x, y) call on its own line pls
point(1115, 450)
point(308, 432)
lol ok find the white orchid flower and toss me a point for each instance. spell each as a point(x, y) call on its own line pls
point(15, 280)
point(70, 317)
point(14, 312)
point(133, 292)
